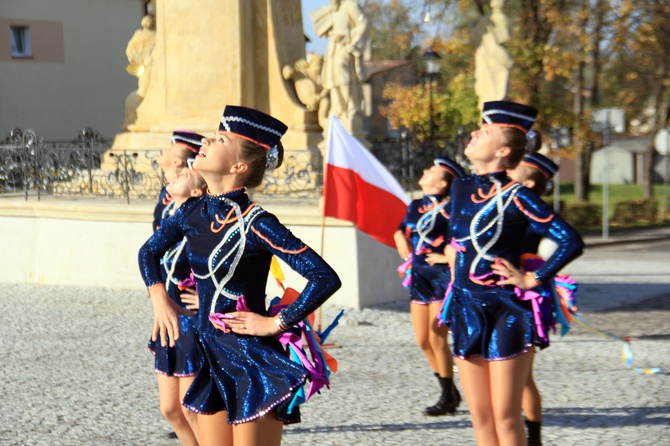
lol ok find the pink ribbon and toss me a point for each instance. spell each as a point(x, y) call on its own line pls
point(535, 300)
point(316, 368)
point(457, 246)
point(293, 341)
point(406, 270)
point(188, 282)
point(218, 319)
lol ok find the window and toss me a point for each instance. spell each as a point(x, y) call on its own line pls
point(21, 46)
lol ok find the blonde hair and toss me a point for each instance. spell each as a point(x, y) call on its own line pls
point(516, 141)
point(198, 181)
point(255, 157)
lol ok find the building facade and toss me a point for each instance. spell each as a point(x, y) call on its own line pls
point(62, 65)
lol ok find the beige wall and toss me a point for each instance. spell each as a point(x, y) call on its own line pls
point(95, 244)
point(77, 75)
point(46, 41)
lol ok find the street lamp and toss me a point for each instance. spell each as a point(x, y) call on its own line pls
point(431, 68)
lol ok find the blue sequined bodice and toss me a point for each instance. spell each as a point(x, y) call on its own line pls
point(489, 217)
point(426, 225)
point(230, 243)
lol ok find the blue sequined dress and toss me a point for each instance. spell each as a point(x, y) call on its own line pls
point(163, 205)
point(184, 358)
point(230, 243)
point(426, 226)
point(489, 216)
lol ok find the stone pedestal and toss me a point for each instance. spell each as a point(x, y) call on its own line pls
point(219, 53)
point(52, 235)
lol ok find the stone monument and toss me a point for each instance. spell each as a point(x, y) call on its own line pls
point(493, 62)
point(306, 77)
point(347, 27)
point(139, 53)
point(220, 53)
point(214, 53)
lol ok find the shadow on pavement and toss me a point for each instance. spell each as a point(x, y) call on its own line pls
point(459, 423)
point(588, 417)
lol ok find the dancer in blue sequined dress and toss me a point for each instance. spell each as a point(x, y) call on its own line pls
point(246, 373)
point(534, 172)
point(184, 146)
point(423, 231)
point(176, 366)
point(492, 327)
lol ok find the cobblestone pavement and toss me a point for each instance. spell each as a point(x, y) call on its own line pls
point(75, 369)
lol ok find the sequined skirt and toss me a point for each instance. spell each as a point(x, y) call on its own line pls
point(247, 376)
point(491, 323)
point(429, 283)
point(184, 358)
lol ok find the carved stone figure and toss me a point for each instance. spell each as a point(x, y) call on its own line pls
point(347, 28)
point(306, 77)
point(140, 55)
point(493, 62)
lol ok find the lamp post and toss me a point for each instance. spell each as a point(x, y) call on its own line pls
point(431, 67)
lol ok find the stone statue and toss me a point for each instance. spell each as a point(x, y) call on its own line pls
point(493, 62)
point(140, 55)
point(347, 28)
point(306, 77)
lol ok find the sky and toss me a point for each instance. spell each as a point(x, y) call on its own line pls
point(317, 45)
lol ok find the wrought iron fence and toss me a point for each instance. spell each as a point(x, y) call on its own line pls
point(85, 166)
point(406, 157)
point(299, 176)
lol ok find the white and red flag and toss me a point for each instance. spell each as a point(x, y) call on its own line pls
point(359, 189)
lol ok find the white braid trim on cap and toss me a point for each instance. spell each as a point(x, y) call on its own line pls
point(189, 140)
point(226, 119)
point(487, 113)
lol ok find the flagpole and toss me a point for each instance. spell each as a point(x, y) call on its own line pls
point(323, 238)
point(323, 215)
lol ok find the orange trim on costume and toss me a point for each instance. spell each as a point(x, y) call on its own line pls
point(538, 219)
point(515, 126)
point(488, 282)
point(298, 251)
point(534, 166)
point(451, 171)
point(183, 144)
point(227, 220)
point(423, 208)
point(490, 193)
point(265, 146)
point(437, 242)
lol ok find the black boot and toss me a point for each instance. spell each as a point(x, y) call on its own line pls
point(534, 433)
point(449, 399)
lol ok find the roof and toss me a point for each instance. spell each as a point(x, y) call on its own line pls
point(632, 144)
point(379, 66)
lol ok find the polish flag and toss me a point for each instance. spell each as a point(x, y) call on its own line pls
point(359, 189)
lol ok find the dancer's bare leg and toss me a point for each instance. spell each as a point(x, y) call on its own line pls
point(421, 323)
point(475, 382)
point(171, 408)
point(507, 380)
point(439, 345)
point(214, 430)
